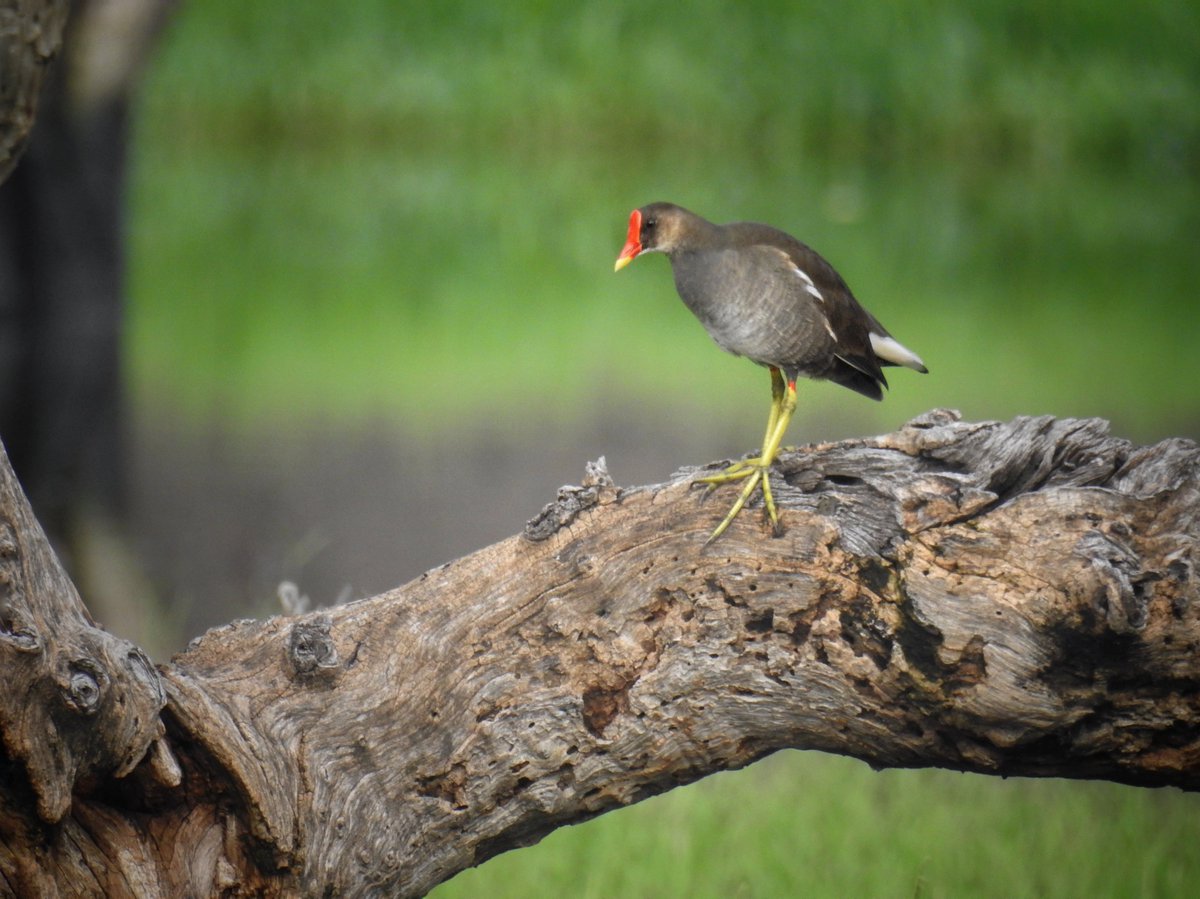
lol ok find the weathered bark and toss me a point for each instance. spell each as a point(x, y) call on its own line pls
point(30, 37)
point(79, 709)
point(1014, 598)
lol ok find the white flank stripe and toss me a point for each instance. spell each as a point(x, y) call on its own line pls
point(893, 351)
point(808, 283)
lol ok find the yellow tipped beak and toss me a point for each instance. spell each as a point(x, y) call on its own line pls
point(633, 243)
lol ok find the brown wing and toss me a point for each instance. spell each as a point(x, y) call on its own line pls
point(854, 364)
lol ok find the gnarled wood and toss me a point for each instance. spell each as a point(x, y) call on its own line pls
point(1009, 598)
point(30, 37)
point(78, 703)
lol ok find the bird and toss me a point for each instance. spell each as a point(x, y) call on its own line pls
point(762, 294)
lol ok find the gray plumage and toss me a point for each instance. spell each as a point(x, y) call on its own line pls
point(764, 295)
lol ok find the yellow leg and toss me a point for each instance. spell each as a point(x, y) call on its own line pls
point(778, 389)
point(757, 471)
point(787, 408)
point(744, 468)
point(778, 399)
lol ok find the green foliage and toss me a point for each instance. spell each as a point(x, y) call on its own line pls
point(387, 212)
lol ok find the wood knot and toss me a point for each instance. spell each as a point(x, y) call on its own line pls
point(83, 687)
point(311, 649)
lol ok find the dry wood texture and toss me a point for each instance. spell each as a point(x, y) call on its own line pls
point(1012, 598)
point(30, 37)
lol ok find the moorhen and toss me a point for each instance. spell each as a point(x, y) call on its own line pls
point(762, 294)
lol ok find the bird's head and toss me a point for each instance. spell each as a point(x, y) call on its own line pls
point(653, 229)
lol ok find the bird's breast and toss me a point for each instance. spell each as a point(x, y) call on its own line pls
point(754, 310)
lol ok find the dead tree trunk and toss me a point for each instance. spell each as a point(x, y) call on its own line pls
point(30, 37)
point(1014, 598)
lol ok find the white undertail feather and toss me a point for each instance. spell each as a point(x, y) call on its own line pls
point(891, 350)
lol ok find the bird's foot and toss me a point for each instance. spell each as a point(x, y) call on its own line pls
point(756, 474)
point(743, 468)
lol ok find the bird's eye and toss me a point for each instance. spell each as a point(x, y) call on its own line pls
point(650, 223)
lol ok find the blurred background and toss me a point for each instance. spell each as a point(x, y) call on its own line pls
point(295, 292)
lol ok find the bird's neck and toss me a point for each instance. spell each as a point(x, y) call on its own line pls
point(702, 236)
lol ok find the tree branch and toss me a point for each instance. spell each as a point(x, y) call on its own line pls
point(30, 38)
point(78, 702)
point(1008, 598)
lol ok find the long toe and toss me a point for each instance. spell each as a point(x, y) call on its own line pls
point(746, 493)
point(769, 504)
point(743, 468)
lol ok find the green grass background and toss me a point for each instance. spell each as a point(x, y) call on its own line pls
point(805, 824)
point(411, 215)
point(363, 214)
